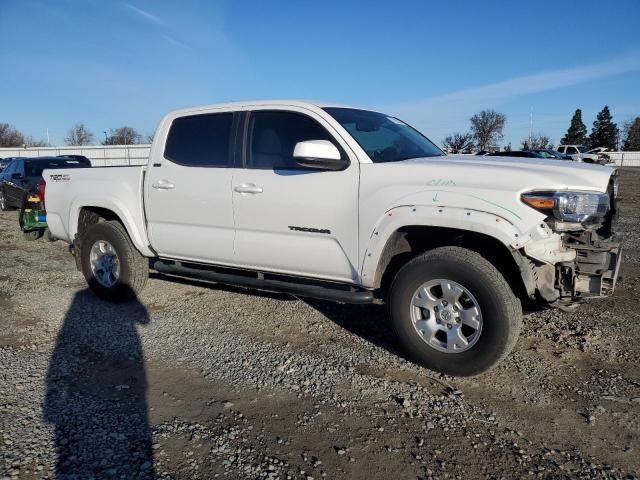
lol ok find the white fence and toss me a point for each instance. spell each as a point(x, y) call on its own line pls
point(625, 159)
point(118, 155)
point(100, 156)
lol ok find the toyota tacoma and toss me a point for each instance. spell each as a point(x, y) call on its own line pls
point(352, 206)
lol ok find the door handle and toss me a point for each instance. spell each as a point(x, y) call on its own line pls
point(163, 185)
point(248, 188)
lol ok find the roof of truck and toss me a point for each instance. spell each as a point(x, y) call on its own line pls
point(261, 103)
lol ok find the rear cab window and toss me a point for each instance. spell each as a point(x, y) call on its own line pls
point(200, 140)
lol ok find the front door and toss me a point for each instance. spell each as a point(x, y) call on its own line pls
point(188, 190)
point(291, 219)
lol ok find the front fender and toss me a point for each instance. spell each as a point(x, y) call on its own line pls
point(487, 223)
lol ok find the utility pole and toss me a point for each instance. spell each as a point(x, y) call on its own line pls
point(530, 126)
point(48, 140)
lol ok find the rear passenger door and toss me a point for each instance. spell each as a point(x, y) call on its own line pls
point(14, 184)
point(5, 179)
point(291, 219)
point(188, 190)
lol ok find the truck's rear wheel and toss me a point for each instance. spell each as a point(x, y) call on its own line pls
point(113, 268)
point(32, 235)
point(454, 312)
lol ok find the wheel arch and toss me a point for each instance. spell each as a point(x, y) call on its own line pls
point(390, 248)
point(83, 216)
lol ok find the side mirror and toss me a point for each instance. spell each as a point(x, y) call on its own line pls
point(16, 176)
point(320, 154)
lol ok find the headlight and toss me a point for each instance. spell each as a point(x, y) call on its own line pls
point(573, 207)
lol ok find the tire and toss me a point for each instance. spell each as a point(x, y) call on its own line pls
point(132, 267)
point(496, 327)
point(32, 235)
point(4, 206)
point(49, 236)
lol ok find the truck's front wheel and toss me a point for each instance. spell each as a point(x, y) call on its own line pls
point(113, 268)
point(454, 312)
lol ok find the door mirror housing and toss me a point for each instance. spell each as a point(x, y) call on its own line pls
point(320, 154)
point(16, 176)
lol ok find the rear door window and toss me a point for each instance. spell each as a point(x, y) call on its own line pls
point(19, 167)
point(9, 170)
point(200, 140)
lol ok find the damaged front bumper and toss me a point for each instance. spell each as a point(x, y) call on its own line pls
point(568, 268)
point(595, 270)
point(592, 271)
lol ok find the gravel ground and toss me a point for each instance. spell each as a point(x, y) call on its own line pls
point(201, 382)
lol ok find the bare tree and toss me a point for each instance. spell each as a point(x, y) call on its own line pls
point(10, 137)
point(624, 130)
point(122, 136)
point(537, 142)
point(149, 138)
point(458, 142)
point(32, 142)
point(79, 135)
point(487, 127)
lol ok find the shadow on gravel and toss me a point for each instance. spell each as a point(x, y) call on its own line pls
point(369, 322)
point(96, 392)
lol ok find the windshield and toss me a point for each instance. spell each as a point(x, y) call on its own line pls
point(384, 138)
point(582, 149)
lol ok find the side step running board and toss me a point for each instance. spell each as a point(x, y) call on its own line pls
point(281, 284)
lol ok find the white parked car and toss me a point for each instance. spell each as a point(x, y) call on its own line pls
point(580, 153)
point(347, 205)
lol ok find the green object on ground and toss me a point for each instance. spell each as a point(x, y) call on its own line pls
point(30, 220)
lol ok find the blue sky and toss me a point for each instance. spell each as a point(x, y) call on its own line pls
point(108, 63)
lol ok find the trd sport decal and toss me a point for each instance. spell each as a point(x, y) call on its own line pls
point(65, 177)
point(309, 229)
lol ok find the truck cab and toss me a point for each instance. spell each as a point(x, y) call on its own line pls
point(580, 153)
point(349, 205)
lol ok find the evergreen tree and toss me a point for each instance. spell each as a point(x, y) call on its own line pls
point(577, 133)
point(604, 132)
point(632, 140)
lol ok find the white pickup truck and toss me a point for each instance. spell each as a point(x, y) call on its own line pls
point(347, 205)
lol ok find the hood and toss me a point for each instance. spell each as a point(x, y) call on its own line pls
point(488, 184)
point(522, 174)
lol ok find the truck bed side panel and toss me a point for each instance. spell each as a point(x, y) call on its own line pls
point(118, 189)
